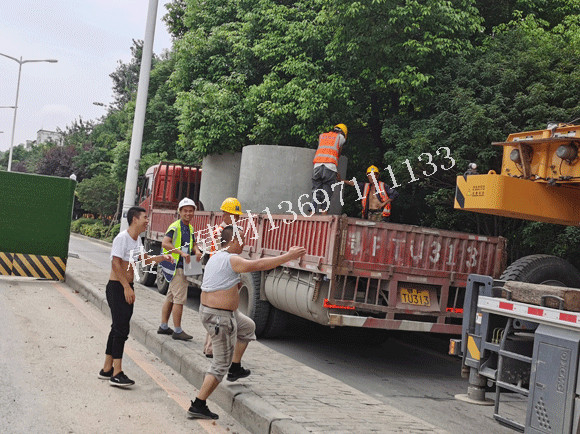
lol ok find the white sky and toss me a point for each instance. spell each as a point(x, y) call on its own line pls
point(87, 37)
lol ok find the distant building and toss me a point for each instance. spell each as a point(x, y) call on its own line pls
point(45, 136)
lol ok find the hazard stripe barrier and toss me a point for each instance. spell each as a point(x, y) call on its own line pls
point(539, 314)
point(25, 265)
point(5, 263)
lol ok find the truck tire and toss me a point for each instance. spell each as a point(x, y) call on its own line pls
point(250, 303)
point(278, 322)
point(543, 270)
point(145, 275)
point(162, 283)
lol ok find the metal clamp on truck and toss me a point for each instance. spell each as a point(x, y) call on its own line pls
point(522, 332)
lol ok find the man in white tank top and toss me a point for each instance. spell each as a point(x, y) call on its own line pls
point(229, 329)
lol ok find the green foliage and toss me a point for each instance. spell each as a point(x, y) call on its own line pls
point(113, 232)
point(99, 194)
point(76, 225)
point(94, 230)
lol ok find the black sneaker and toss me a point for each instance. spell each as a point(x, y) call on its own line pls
point(105, 375)
point(121, 380)
point(240, 373)
point(200, 411)
point(167, 331)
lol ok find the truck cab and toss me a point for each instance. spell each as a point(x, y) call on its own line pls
point(160, 191)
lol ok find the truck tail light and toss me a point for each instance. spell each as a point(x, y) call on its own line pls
point(336, 306)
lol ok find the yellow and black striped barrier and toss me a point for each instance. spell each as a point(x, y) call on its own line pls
point(25, 265)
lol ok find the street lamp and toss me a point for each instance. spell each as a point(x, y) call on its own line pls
point(20, 63)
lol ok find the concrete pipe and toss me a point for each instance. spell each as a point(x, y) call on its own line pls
point(270, 175)
point(219, 179)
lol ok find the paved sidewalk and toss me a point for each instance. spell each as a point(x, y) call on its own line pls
point(281, 396)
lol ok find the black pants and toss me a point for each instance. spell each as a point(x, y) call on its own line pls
point(121, 312)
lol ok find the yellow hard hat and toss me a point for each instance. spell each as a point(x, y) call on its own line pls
point(232, 205)
point(372, 169)
point(343, 128)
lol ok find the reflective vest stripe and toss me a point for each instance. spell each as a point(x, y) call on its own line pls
point(322, 155)
point(176, 227)
point(383, 195)
point(328, 150)
point(331, 147)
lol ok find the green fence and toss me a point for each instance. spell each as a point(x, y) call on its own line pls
point(35, 217)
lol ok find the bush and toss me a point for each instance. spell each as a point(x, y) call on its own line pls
point(115, 231)
point(75, 226)
point(95, 230)
point(112, 232)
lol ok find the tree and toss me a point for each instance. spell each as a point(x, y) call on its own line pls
point(57, 161)
point(126, 76)
point(99, 195)
point(174, 18)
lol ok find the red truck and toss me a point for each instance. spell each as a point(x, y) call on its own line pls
point(161, 189)
point(356, 273)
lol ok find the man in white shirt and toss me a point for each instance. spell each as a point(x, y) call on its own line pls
point(127, 248)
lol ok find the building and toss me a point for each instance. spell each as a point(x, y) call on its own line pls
point(45, 136)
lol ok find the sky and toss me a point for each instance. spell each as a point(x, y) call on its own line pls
point(87, 37)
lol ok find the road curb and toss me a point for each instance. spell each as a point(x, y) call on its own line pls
point(249, 409)
point(95, 240)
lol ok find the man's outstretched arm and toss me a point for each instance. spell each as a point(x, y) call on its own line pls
point(241, 265)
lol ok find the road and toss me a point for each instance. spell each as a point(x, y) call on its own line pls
point(410, 371)
point(51, 349)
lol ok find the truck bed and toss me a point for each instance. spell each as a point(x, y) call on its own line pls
point(381, 275)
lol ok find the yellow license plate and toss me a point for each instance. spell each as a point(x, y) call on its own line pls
point(414, 297)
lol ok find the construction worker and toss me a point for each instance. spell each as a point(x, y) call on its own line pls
point(376, 205)
point(325, 163)
point(180, 242)
point(232, 209)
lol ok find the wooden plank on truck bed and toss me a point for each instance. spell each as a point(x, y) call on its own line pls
point(532, 293)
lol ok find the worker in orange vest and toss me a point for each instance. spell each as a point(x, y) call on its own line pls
point(376, 205)
point(325, 163)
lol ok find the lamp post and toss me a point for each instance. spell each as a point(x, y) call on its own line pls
point(20, 63)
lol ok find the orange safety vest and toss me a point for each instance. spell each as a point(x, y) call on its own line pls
point(384, 196)
point(328, 149)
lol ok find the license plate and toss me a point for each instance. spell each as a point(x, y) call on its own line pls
point(414, 297)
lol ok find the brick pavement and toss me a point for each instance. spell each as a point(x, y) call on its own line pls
point(281, 396)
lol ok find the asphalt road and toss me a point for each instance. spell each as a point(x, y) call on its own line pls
point(410, 371)
point(51, 349)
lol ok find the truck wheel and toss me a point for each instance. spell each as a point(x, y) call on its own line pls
point(277, 324)
point(250, 303)
point(543, 270)
point(145, 275)
point(162, 283)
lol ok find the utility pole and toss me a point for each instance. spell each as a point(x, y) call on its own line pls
point(139, 120)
